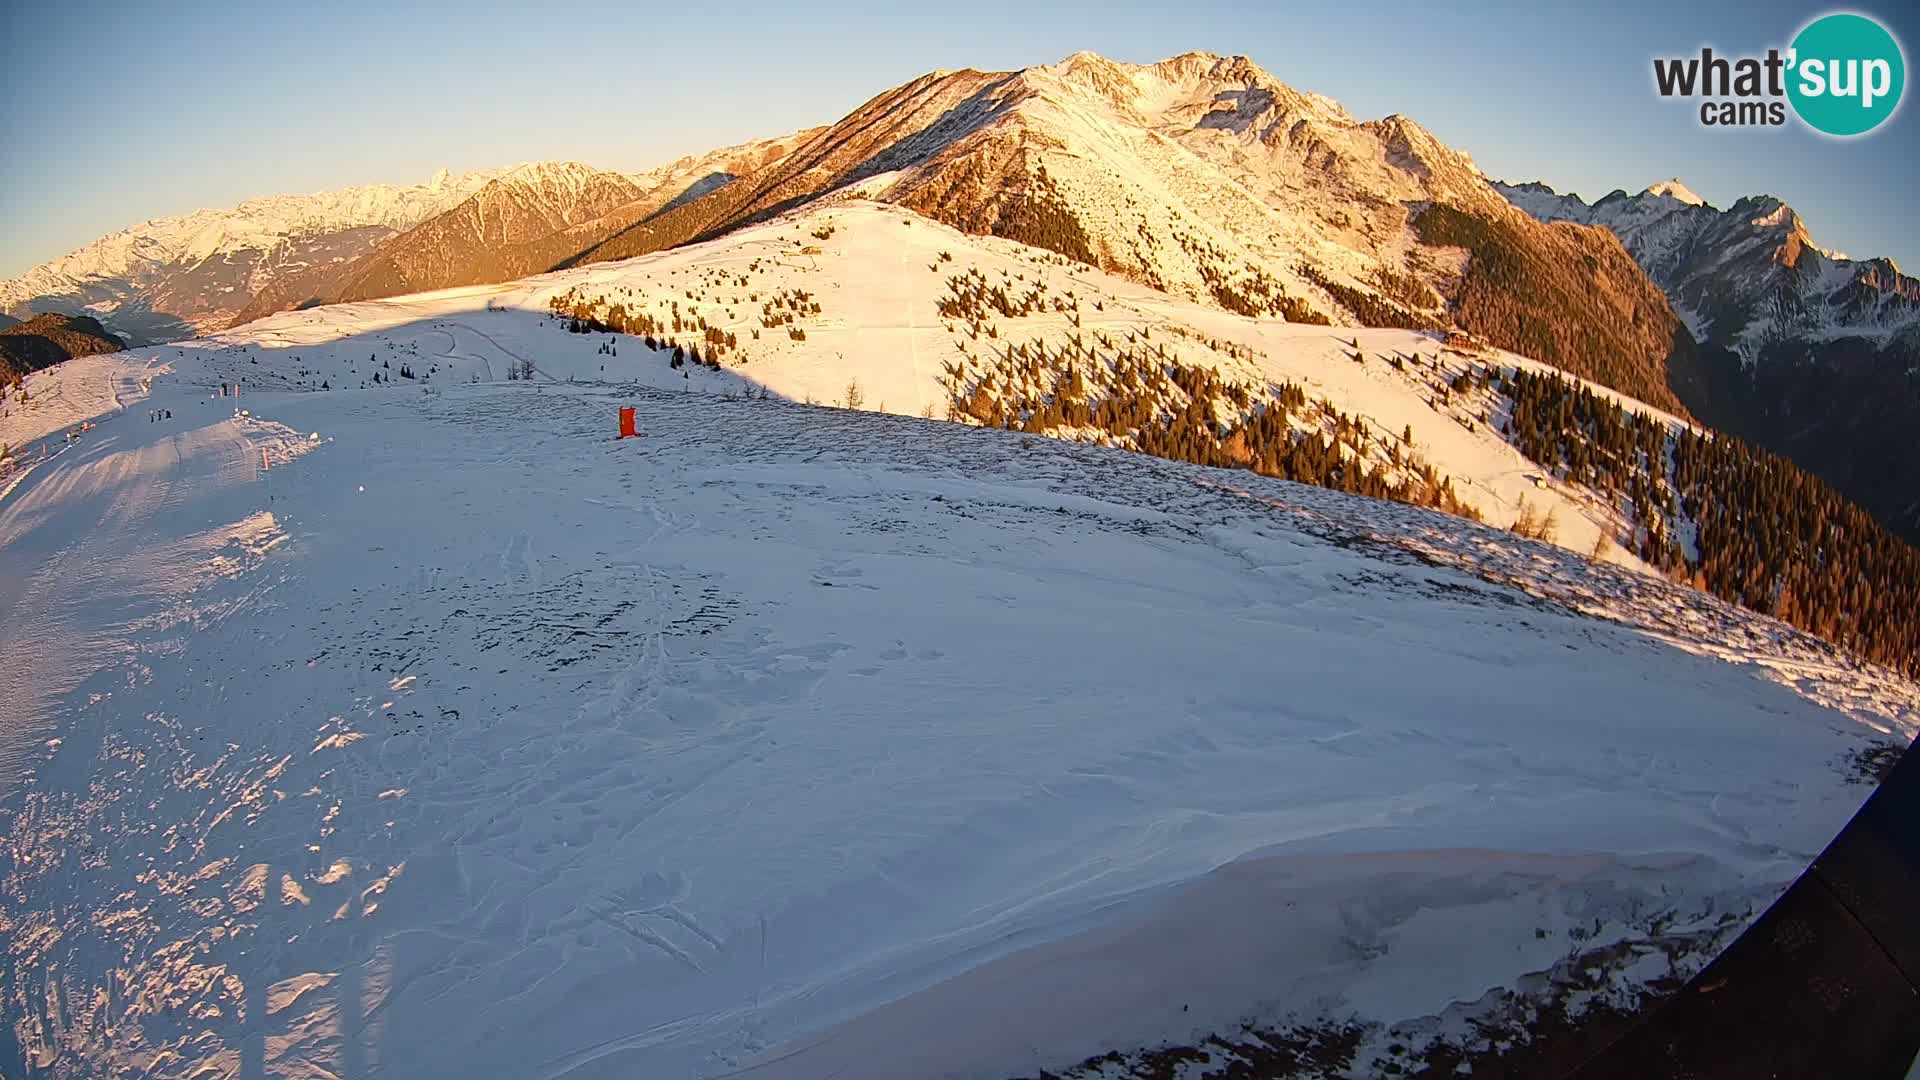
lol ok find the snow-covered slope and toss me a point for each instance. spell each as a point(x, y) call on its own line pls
point(880, 276)
point(164, 277)
point(463, 739)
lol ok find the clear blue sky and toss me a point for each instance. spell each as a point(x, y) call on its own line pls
point(119, 112)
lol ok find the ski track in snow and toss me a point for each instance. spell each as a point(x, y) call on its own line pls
point(788, 741)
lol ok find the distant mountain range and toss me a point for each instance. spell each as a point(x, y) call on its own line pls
point(175, 277)
point(1749, 278)
point(525, 221)
point(171, 277)
point(1803, 350)
point(485, 237)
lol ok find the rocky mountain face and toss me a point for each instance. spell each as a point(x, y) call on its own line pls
point(171, 277)
point(488, 237)
point(1799, 349)
point(697, 175)
point(1746, 278)
point(492, 235)
point(1206, 177)
point(529, 220)
point(47, 339)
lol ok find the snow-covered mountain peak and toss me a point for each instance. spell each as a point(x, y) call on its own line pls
point(1746, 277)
point(1193, 89)
point(195, 270)
point(1205, 67)
point(1765, 210)
point(1675, 190)
point(559, 182)
point(1230, 110)
point(534, 172)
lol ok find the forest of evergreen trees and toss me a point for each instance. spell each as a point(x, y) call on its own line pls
point(1768, 535)
point(1278, 432)
point(1371, 310)
point(1041, 217)
point(1564, 295)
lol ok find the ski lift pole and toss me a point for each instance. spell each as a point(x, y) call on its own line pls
point(266, 471)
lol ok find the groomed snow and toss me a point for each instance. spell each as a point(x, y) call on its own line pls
point(790, 741)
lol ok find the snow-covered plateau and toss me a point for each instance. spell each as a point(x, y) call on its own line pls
point(422, 728)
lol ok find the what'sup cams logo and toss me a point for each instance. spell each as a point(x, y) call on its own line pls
point(1843, 75)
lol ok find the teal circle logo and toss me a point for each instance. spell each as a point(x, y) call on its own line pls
point(1847, 74)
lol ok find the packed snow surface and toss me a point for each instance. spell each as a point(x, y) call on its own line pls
point(790, 741)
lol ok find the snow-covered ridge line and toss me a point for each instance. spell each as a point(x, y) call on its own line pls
point(256, 222)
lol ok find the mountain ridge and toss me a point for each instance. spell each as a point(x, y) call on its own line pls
point(1206, 177)
point(475, 241)
point(1743, 276)
point(174, 275)
point(48, 339)
point(528, 220)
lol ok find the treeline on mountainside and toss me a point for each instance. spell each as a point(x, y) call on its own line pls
point(1009, 196)
point(703, 342)
point(46, 340)
point(1768, 535)
point(1137, 408)
point(1041, 218)
point(1371, 310)
point(1565, 294)
point(1844, 408)
point(1248, 291)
